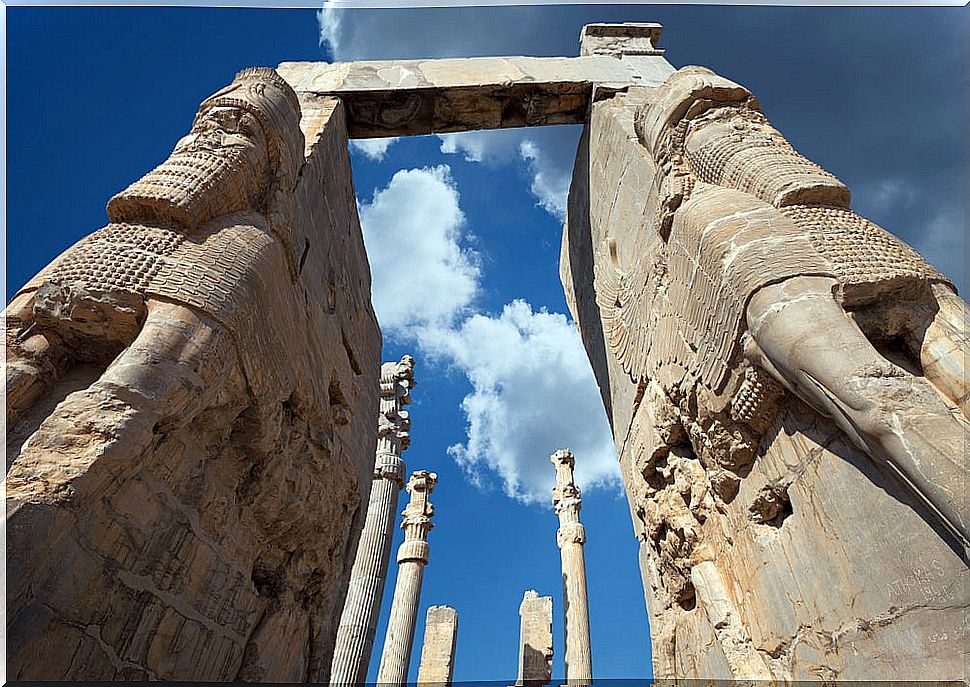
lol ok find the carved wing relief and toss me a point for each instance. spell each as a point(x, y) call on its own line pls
point(625, 299)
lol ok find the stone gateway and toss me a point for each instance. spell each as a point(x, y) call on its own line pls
point(191, 392)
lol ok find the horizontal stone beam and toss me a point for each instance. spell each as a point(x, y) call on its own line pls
point(413, 97)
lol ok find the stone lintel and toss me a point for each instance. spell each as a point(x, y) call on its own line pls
point(414, 97)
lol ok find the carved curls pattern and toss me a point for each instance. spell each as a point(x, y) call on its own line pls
point(120, 257)
point(861, 251)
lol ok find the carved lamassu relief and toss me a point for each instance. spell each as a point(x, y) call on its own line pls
point(190, 232)
point(184, 417)
point(764, 282)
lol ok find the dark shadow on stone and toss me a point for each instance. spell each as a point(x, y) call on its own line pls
point(535, 671)
point(579, 239)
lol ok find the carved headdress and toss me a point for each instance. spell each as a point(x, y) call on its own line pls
point(245, 141)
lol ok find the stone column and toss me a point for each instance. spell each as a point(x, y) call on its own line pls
point(411, 559)
point(358, 621)
point(535, 640)
point(438, 650)
point(571, 536)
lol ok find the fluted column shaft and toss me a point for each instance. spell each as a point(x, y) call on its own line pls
point(579, 665)
point(396, 657)
point(358, 621)
point(411, 558)
point(571, 537)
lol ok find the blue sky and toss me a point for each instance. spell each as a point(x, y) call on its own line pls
point(463, 234)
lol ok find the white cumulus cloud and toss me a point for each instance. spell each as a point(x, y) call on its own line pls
point(533, 393)
point(373, 148)
point(422, 275)
point(550, 181)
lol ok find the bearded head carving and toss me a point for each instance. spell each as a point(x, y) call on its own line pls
point(245, 141)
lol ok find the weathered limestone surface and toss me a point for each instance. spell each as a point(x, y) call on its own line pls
point(191, 398)
point(358, 621)
point(787, 389)
point(190, 389)
point(412, 556)
point(535, 640)
point(438, 651)
point(408, 97)
point(571, 536)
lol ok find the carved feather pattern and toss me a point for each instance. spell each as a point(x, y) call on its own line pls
point(625, 300)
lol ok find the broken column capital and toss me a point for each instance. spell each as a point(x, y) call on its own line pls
point(566, 496)
point(396, 423)
point(416, 516)
point(393, 422)
point(397, 379)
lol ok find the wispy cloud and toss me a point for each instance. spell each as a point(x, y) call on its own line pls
point(330, 21)
point(930, 221)
point(544, 155)
point(943, 241)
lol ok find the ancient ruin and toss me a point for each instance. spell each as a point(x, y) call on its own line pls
point(438, 650)
point(535, 640)
point(412, 556)
point(786, 381)
point(181, 469)
point(570, 538)
point(358, 622)
point(786, 384)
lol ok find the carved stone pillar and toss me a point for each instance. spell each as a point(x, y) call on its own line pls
point(438, 650)
point(190, 418)
point(571, 536)
point(358, 622)
point(786, 383)
point(535, 640)
point(412, 556)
